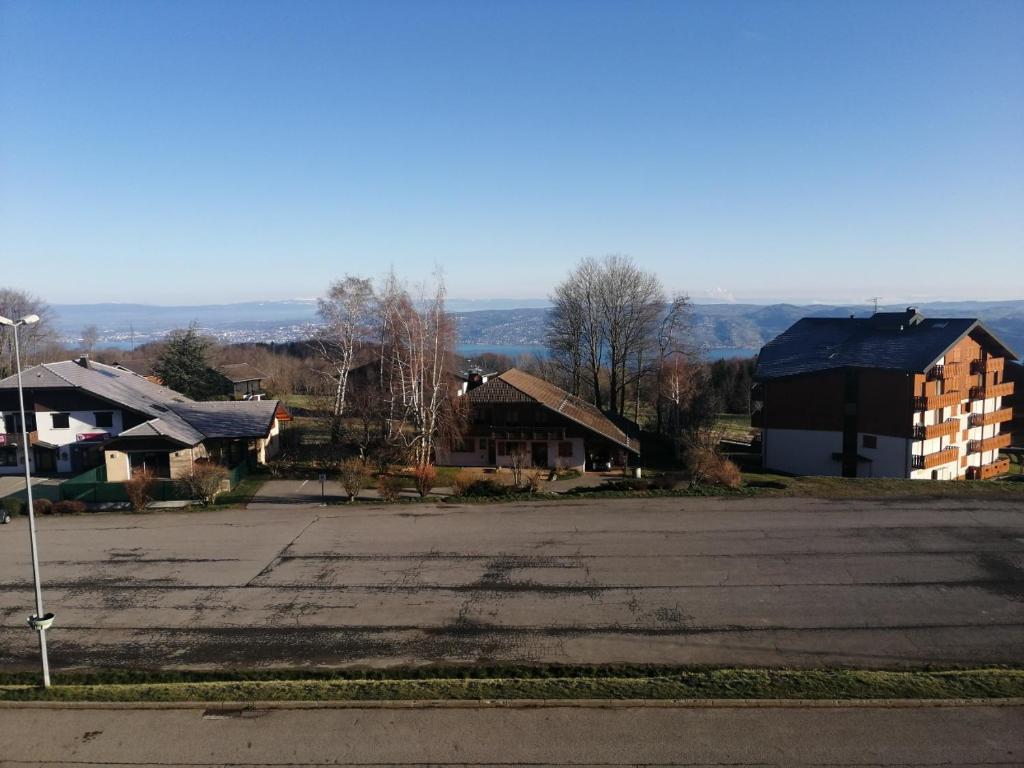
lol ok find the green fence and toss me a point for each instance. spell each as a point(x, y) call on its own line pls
point(235, 474)
point(92, 486)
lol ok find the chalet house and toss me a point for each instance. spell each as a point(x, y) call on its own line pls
point(516, 413)
point(892, 395)
point(83, 414)
point(241, 381)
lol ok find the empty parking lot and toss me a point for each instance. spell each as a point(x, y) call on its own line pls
point(683, 581)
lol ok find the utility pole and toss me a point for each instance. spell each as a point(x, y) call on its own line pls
point(874, 300)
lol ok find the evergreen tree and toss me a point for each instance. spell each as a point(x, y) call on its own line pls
point(183, 365)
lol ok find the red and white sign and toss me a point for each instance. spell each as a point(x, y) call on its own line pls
point(86, 437)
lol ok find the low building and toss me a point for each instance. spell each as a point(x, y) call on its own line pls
point(83, 414)
point(241, 381)
point(892, 395)
point(515, 413)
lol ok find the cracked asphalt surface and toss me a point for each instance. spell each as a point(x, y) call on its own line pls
point(795, 582)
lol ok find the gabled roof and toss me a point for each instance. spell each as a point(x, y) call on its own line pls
point(171, 414)
point(895, 341)
point(236, 373)
point(516, 386)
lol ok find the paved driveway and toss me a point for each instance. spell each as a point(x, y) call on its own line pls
point(686, 581)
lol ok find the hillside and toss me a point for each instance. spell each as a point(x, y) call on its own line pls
point(742, 327)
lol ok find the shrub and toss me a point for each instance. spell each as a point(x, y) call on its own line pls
point(534, 481)
point(389, 487)
point(486, 487)
point(68, 507)
point(462, 481)
point(426, 476)
point(12, 506)
point(353, 477)
point(140, 488)
point(709, 466)
point(205, 481)
point(42, 506)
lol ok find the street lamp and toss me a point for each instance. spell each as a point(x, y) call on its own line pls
point(40, 622)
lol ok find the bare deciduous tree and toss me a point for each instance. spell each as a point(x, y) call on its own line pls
point(346, 313)
point(35, 339)
point(90, 336)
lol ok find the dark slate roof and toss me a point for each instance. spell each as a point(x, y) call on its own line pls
point(894, 341)
point(236, 373)
point(171, 414)
point(231, 419)
point(515, 386)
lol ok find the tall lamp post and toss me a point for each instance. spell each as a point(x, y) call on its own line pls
point(41, 621)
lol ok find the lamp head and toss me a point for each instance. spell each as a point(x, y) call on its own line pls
point(6, 320)
point(29, 319)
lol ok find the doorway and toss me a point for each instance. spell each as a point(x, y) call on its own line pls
point(539, 454)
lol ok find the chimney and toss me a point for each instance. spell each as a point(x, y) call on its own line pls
point(83, 361)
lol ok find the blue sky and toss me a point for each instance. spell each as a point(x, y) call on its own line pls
point(192, 152)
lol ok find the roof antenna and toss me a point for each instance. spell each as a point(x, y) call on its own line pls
point(874, 300)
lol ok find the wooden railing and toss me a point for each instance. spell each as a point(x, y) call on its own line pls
point(14, 438)
point(931, 402)
point(989, 443)
point(992, 417)
point(988, 366)
point(992, 390)
point(929, 460)
point(985, 471)
point(950, 370)
point(947, 427)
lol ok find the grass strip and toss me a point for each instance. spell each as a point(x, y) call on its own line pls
point(692, 684)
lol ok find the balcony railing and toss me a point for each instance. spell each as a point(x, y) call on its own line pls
point(985, 471)
point(992, 390)
point(929, 460)
point(989, 443)
point(992, 417)
point(950, 370)
point(932, 402)
point(988, 366)
point(947, 427)
point(14, 438)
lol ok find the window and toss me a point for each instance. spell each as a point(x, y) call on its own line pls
point(8, 457)
point(61, 420)
point(483, 443)
point(502, 448)
point(459, 445)
point(104, 419)
point(565, 449)
point(870, 441)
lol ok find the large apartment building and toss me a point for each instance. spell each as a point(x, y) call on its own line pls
point(892, 395)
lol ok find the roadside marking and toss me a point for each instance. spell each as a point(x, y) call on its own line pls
point(303, 484)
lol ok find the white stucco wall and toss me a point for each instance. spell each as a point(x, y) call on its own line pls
point(802, 451)
point(479, 456)
point(79, 422)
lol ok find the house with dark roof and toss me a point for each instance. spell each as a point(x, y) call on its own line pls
point(892, 395)
point(241, 381)
point(515, 413)
point(83, 414)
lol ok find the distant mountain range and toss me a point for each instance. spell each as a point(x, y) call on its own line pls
point(721, 327)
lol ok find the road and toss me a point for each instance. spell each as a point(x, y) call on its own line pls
point(606, 735)
point(797, 582)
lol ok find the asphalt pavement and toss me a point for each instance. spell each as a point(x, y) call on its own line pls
point(604, 734)
point(768, 582)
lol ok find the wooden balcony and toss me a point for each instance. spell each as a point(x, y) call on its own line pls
point(929, 460)
point(932, 402)
point(947, 427)
point(951, 370)
point(992, 417)
point(989, 443)
point(988, 366)
point(14, 438)
point(992, 390)
point(985, 471)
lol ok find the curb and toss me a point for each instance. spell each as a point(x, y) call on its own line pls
point(234, 707)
